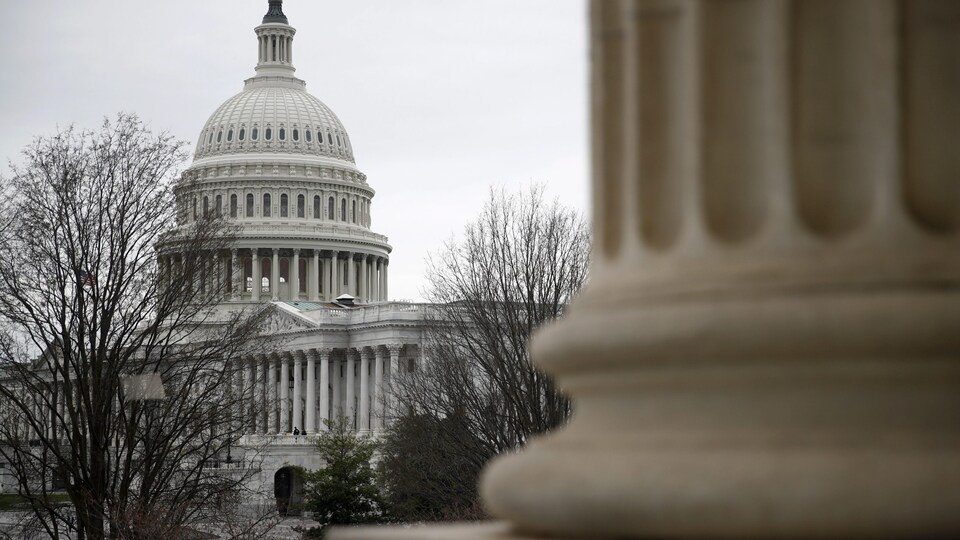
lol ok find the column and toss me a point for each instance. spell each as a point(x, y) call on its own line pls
point(362, 289)
point(349, 405)
point(275, 273)
point(334, 288)
point(285, 392)
point(310, 422)
point(759, 352)
point(297, 396)
point(324, 388)
point(336, 411)
point(295, 275)
point(351, 275)
point(383, 281)
point(378, 405)
point(314, 287)
point(248, 406)
point(259, 425)
point(364, 424)
point(256, 271)
point(234, 276)
point(394, 351)
point(272, 394)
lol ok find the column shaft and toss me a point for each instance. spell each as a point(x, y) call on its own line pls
point(297, 388)
point(295, 276)
point(378, 389)
point(272, 395)
point(284, 392)
point(324, 388)
point(349, 402)
point(275, 275)
point(364, 424)
point(255, 270)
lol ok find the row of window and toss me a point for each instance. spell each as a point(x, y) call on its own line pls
point(267, 207)
point(268, 134)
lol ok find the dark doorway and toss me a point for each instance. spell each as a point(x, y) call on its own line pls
point(288, 490)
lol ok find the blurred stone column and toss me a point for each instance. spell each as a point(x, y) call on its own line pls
point(769, 345)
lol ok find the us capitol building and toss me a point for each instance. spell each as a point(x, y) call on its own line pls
point(280, 165)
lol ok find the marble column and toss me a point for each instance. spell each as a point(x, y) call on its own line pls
point(285, 392)
point(348, 269)
point(383, 281)
point(256, 270)
point(248, 407)
point(295, 275)
point(275, 275)
point(235, 286)
point(334, 290)
point(378, 406)
point(324, 388)
point(310, 407)
point(314, 287)
point(259, 425)
point(272, 394)
point(336, 411)
point(394, 351)
point(349, 403)
point(768, 344)
point(362, 289)
point(364, 424)
point(297, 389)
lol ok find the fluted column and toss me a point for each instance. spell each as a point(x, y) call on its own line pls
point(234, 275)
point(314, 287)
point(256, 270)
point(385, 296)
point(768, 343)
point(248, 408)
point(363, 279)
point(348, 274)
point(285, 392)
point(295, 275)
point(364, 424)
point(297, 389)
point(271, 363)
point(324, 388)
point(336, 411)
point(350, 411)
point(275, 275)
point(394, 351)
point(310, 414)
point(259, 426)
point(334, 288)
point(378, 388)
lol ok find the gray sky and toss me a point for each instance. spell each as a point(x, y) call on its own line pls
point(441, 98)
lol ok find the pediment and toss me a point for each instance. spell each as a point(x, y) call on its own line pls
point(279, 321)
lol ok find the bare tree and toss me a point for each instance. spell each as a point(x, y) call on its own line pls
point(115, 370)
point(478, 394)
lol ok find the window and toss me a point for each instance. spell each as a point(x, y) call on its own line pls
point(210, 140)
point(283, 134)
point(283, 205)
point(296, 135)
point(338, 140)
point(241, 134)
point(268, 135)
point(230, 135)
point(300, 206)
point(194, 208)
point(206, 206)
point(254, 134)
point(316, 207)
point(266, 205)
point(219, 136)
point(218, 208)
point(353, 211)
point(330, 213)
point(329, 138)
point(411, 365)
point(308, 134)
point(343, 209)
point(233, 205)
point(249, 204)
point(319, 137)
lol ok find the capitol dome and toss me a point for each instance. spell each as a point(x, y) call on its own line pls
point(274, 118)
point(278, 164)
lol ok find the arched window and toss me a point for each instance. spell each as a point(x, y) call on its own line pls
point(194, 208)
point(329, 138)
point(206, 206)
point(230, 135)
point(269, 134)
point(241, 134)
point(296, 135)
point(319, 137)
point(330, 213)
point(283, 134)
point(266, 205)
point(233, 205)
point(249, 204)
point(343, 209)
point(254, 134)
point(219, 136)
point(210, 140)
point(283, 205)
point(309, 135)
point(353, 211)
point(218, 208)
point(316, 207)
point(338, 140)
point(300, 206)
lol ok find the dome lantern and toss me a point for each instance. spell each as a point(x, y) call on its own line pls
point(275, 43)
point(275, 13)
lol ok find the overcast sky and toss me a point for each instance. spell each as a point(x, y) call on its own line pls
point(442, 98)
